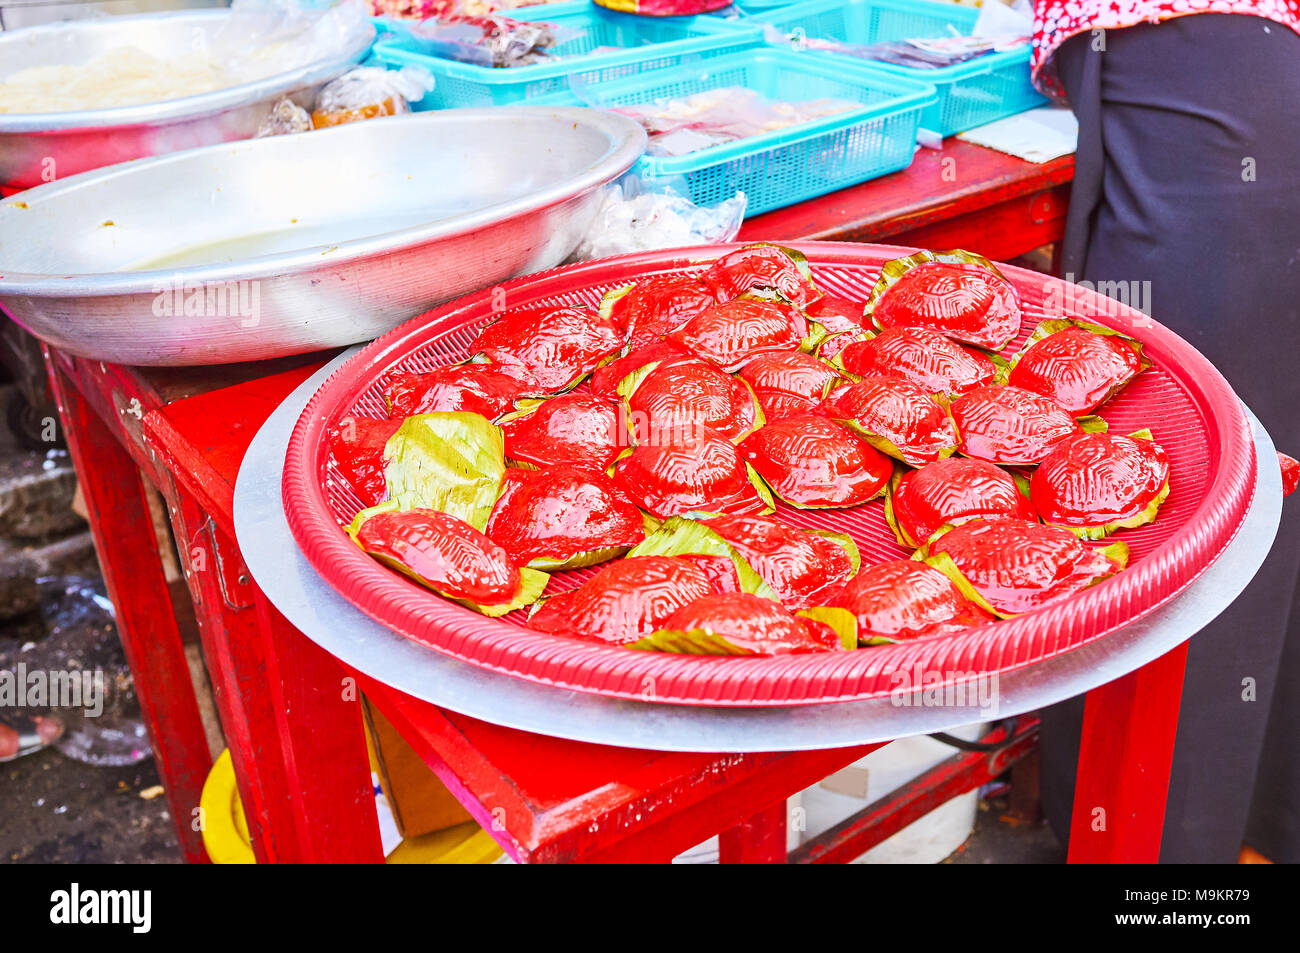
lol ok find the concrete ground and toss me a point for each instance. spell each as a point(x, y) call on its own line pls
point(60, 811)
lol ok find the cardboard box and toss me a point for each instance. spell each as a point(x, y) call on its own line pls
point(421, 804)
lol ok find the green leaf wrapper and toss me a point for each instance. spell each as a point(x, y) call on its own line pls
point(694, 642)
point(890, 488)
point(943, 562)
point(842, 621)
point(845, 542)
point(682, 536)
point(451, 462)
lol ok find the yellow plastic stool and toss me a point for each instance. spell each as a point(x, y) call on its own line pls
point(225, 830)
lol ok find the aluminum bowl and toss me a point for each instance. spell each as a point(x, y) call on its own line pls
point(39, 147)
point(289, 244)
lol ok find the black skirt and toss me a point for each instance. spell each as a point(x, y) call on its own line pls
point(1187, 188)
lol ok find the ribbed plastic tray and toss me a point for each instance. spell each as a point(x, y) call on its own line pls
point(1183, 399)
point(970, 94)
point(626, 45)
point(783, 166)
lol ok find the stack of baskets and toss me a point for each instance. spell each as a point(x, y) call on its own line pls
point(610, 60)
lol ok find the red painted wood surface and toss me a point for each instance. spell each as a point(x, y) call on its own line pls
point(760, 839)
point(146, 622)
point(549, 800)
point(1125, 756)
point(962, 195)
point(203, 438)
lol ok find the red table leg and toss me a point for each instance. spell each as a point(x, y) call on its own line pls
point(757, 840)
point(291, 721)
point(146, 622)
point(1125, 755)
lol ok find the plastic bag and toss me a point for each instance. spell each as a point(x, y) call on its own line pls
point(632, 218)
point(265, 37)
point(993, 34)
point(286, 117)
point(689, 123)
point(369, 91)
point(494, 41)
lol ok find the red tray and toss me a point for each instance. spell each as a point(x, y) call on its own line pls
point(1183, 399)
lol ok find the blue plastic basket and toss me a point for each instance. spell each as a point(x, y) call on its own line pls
point(788, 165)
point(644, 43)
point(970, 94)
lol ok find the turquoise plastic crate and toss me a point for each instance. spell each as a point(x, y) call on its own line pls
point(970, 94)
point(761, 6)
point(788, 165)
point(644, 43)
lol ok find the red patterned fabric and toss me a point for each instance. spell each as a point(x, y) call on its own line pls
point(1055, 21)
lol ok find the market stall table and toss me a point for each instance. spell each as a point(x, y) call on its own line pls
point(289, 710)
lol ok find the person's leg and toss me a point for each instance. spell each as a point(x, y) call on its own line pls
point(1192, 134)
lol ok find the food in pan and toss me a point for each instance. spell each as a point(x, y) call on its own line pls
point(571, 428)
point(449, 556)
point(728, 335)
point(812, 461)
point(606, 378)
point(837, 315)
point(737, 623)
point(450, 462)
point(798, 564)
point(563, 517)
point(791, 372)
point(677, 437)
point(1011, 566)
point(790, 383)
point(896, 417)
point(690, 470)
point(764, 270)
point(357, 446)
point(690, 539)
point(921, 355)
point(1096, 483)
point(688, 394)
point(1077, 364)
point(949, 492)
point(122, 76)
point(653, 307)
point(958, 293)
point(902, 599)
point(475, 388)
point(548, 349)
point(625, 601)
point(1012, 426)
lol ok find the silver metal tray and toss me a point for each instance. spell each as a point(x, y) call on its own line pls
point(34, 147)
point(289, 244)
point(306, 600)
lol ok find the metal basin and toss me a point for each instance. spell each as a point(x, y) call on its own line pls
point(39, 147)
point(276, 246)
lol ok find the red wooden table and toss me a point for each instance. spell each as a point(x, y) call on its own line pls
point(290, 712)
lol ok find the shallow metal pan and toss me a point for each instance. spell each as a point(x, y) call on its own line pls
point(38, 147)
point(303, 242)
